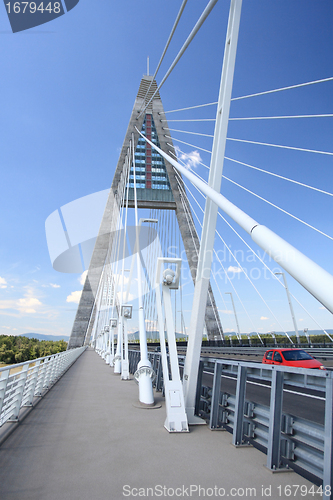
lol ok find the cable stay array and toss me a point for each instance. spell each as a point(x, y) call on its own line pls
point(149, 294)
point(144, 274)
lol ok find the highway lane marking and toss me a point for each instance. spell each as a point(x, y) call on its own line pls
point(307, 395)
point(268, 387)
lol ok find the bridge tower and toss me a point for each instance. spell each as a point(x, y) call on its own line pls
point(165, 191)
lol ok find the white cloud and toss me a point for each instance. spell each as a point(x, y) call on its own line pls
point(82, 278)
point(234, 269)
point(29, 301)
point(27, 305)
point(3, 283)
point(301, 319)
point(52, 285)
point(263, 318)
point(191, 159)
point(74, 297)
point(226, 311)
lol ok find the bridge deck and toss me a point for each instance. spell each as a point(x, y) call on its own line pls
point(85, 440)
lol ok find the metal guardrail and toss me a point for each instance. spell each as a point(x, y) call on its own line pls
point(19, 388)
point(289, 441)
point(317, 352)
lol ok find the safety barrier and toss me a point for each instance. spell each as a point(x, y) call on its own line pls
point(317, 352)
point(289, 441)
point(34, 378)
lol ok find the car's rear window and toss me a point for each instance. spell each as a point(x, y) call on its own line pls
point(294, 355)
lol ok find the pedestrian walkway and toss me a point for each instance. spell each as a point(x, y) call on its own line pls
point(87, 441)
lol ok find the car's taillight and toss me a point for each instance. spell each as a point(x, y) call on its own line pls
point(322, 367)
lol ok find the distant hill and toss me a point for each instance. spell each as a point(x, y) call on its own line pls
point(41, 336)
point(310, 332)
point(153, 335)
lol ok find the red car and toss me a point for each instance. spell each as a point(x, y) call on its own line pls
point(291, 357)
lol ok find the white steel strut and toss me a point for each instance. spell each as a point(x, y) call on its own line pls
point(176, 419)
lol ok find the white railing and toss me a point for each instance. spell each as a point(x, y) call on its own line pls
point(22, 382)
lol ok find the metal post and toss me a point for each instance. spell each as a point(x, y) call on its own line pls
point(211, 209)
point(215, 405)
point(126, 314)
point(237, 435)
point(328, 443)
point(199, 386)
point(3, 386)
point(237, 325)
point(275, 420)
point(112, 327)
point(159, 375)
point(22, 377)
point(119, 354)
point(107, 344)
point(291, 306)
point(144, 373)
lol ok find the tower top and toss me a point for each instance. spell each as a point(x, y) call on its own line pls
point(146, 82)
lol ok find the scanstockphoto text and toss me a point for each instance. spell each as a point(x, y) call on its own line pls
point(198, 491)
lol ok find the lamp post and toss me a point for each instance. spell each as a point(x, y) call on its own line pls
point(121, 340)
point(237, 325)
point(126, 314)
point(112, 327)
point(290, 305)
point(144, 374)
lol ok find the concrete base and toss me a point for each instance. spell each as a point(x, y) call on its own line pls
point(142, 406)
point(280, 470)
point(242, 445)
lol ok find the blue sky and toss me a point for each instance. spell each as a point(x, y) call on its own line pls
point(68, 89)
